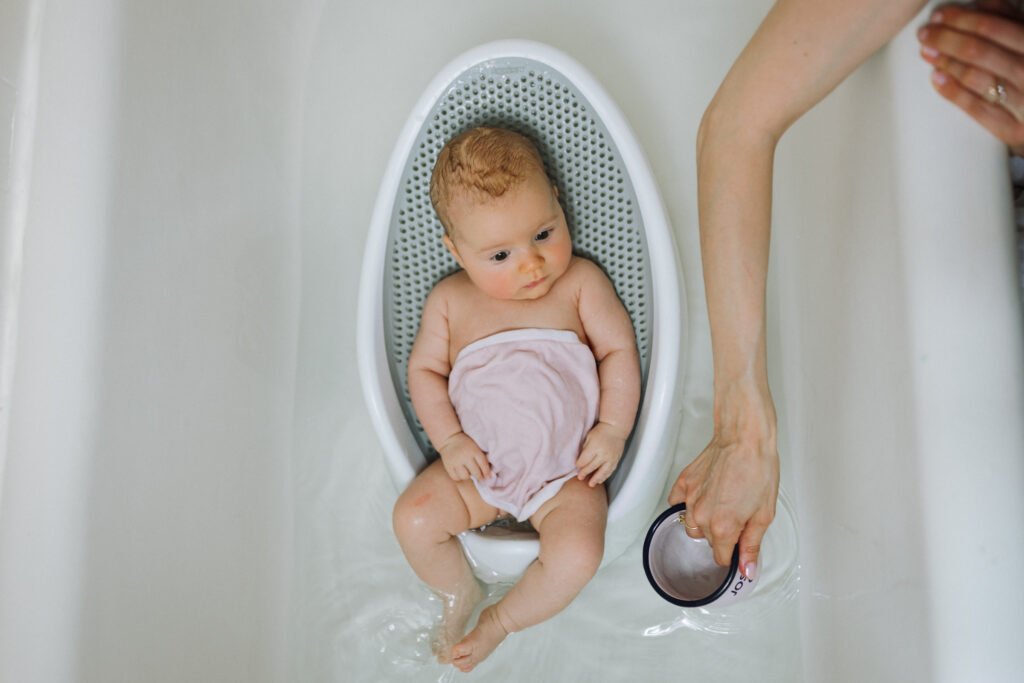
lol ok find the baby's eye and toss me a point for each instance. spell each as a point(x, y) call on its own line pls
point(500, 256)
point(543, 235)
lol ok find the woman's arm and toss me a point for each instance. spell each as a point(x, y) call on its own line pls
point(801, 52)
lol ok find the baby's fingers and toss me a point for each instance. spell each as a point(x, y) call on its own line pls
point(601, 474)
point(587, 463)
point(592, 469)
point(483, 467)
point(456, 472)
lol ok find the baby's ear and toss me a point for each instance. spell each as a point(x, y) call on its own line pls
point(452, 250)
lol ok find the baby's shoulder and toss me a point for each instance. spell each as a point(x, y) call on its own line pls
point(451, 294)
point(451, 287)
point(585, 272)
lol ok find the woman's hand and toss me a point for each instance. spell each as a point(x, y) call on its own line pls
point(730, 489)
point(978, 54)
point(600, 454)
point(463, 459)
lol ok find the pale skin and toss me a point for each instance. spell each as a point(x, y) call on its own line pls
point(801, 52)
point(518, 271)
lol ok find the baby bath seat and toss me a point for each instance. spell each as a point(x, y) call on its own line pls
point(617, 220)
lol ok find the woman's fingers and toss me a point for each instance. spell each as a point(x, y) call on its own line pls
point(971, 36)
point(750, 548)
point(690, 488)
point(995, 118)
point(940, 44)
point(725, 531)
point(979, 65)
point(1001, 7)
point(985, 86)
point(730, 492)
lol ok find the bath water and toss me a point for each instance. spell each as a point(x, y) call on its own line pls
point(360, 614)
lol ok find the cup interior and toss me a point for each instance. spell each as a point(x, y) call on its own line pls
point(683, 569)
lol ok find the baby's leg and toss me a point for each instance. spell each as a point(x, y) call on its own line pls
point(427, 518)
point(571, 527)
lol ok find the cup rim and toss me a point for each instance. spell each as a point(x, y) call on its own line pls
point(717, 593)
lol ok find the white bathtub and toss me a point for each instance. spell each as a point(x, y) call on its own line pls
point(191, 488)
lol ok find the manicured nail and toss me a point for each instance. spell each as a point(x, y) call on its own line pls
point(939, 78)
point(936, 17)
point(929, 52)
point(750, 571)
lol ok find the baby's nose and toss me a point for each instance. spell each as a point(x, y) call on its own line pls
point(531, 261)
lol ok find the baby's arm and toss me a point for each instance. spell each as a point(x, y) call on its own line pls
point(428, 388)
point(611, 337)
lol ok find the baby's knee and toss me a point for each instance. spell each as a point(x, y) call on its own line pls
point(411, 516)
point(582, 555)
point(428, 514)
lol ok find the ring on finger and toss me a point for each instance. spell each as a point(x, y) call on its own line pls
point(996, 94)
point(682, 520)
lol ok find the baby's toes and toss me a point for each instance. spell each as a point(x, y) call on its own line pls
point(462, 657)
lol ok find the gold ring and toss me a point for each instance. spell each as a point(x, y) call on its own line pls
point(682, 520)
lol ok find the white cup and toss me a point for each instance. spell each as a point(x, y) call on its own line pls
point(683, 570)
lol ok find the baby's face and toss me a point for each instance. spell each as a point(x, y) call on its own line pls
point(515, 246)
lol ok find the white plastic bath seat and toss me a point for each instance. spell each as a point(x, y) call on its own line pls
point(616, 218)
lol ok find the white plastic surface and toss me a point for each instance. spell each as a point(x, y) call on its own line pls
point(632, 500)
point(192, 488)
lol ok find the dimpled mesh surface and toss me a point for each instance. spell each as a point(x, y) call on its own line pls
point(578, 152)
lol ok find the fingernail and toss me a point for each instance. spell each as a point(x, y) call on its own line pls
point(929, 51)
point(750, 571)
point(939, 78)
point(936, 17)
point(922, 33)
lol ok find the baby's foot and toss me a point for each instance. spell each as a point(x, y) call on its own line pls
point(480, 642)
point(457, 609)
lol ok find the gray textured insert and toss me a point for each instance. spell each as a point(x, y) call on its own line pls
point(594, 189)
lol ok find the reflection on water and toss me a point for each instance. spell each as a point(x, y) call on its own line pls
point(405, 637)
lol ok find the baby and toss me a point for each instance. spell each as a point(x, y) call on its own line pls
point(526, 378)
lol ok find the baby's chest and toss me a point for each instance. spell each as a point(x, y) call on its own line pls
point(476, 322)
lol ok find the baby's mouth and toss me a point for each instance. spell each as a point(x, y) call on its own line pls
point(535, 283)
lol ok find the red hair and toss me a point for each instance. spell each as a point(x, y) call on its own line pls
point(481, 164)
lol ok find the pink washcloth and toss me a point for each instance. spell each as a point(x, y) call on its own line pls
point(528, 398)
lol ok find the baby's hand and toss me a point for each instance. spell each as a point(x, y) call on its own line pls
point(601, 452)
point(463, 459)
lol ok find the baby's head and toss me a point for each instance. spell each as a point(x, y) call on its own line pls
point(500, 213)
